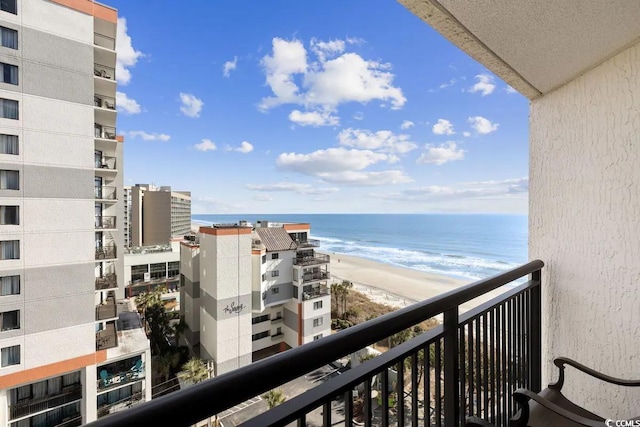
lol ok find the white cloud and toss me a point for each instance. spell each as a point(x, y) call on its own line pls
point(447, 84)
point(509, 89)
point(383, 141)
point(441, 154)
point(466, 134)
point(149, 136)
point(263, 198)
point(314, 118)
point(513, 185)
point(443, 127)
point(229, 66)
point(191, 106)
point(126, 105)
point(485, 84)
point(206, 145)
point(482, 125)
point(358, 116)
point(292, 187)
point(407, 124)
point(387, 177)
point(127, 56)
point(244, 148)
point(336, 77)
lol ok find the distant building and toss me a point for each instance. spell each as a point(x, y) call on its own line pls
point(148, 267)
point(155, 215)
point(249, 292)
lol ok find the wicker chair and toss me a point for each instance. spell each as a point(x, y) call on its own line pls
point(550, 407)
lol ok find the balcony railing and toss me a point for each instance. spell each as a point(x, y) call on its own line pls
point(105, 193)
point(104, 72)
point(107, 281)
point(104, 132)
point(105, 162)
point(310, 243)
point(314, 277)
point(469, 366)
point(105, 221)
point(107, 338)
point(104, 102)
point(67, 395)
point(315, 293)
point(107, 380)
point(311, 260)
point(105, 252)
point(107, 311)
point(104, 41)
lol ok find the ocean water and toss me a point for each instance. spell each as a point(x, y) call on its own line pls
point(467, 246)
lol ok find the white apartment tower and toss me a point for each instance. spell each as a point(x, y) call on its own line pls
point(251, 292)
point(69, 351)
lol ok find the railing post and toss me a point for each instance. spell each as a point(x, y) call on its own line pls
point(451, 368)
point(535, 334)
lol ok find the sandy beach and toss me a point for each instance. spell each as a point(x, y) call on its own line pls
point(395, 286)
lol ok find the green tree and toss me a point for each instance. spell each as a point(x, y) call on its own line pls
point(274, 397)
point(164, 363)
point(339, 297)
point(194, 371)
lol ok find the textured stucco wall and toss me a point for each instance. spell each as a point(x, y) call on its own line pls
point(585, 225)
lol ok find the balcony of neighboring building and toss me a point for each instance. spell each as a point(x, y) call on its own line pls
point(104, 72)
point(107, 309)
point(121, 372)
point(309, 260)
point(104, 109)
point(308, 243)
point(103, 131)
point(106, 281)
point(105, 193)
point(106, 252)
point(105, 42)
point(104, 222)
point(312, 292)
point(124, 335)
point(107, 337)
point(60, 395)
point(306, 276)
point(105, 165)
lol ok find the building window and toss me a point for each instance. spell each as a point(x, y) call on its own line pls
point(9, 180)
point(9, 38)
point(264, 258)
point(10, 320)
point(264, 277)
point(9, 285)
point(8, 144)
point(317, 337)
point(259, 319)
point(275, 273)
point(9, 215)
point(317, 322)
point(10, 249)
point(11, 356)
point(9, 6)
point(9, 73)
point(259, 336)
point(9, 109)
point(275, 290)
point(317, 305)
point(275, 256)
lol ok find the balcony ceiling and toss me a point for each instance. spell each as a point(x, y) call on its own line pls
point(536, 46)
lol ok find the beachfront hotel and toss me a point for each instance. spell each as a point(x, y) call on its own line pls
point(250, 292)
point(70, 350)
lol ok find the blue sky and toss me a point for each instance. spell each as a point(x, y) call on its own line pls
point(290, 106)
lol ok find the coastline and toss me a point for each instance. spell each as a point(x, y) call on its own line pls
point(396, 286)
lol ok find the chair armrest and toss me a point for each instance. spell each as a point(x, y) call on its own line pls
point(523, 396)
point(477, 422)
point(561, 361)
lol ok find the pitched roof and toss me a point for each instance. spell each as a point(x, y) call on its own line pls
point(275, 239)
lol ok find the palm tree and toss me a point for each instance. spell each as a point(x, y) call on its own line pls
point(164, 363)
point(274, 397)
point(194, 371)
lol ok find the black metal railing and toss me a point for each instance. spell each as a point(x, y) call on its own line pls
point(105, 193)
point(104, 41)
point(105, 221)
point(314, 277)
point(312, 260)
point(104, 132)
point(315, 292)
point(104, 71)
point(468, 365)
point(105, 162)
point(107, 281)
point(104, 102)
point(309, 243)
point(105, 252)
point(67, 395)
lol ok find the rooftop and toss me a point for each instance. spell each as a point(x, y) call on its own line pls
point(276, 239)
point(131, 336)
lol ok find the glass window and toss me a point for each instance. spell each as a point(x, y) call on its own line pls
point(9, 73)
point(317, 305)
point(275, 290)
point(317, 337)
point(11, 356)
point(9, 180)
point(9, 215)
point(10, 249)
point(264, 277)
point(259, 319)
point(275, 256)
point(9, 109)
point(8, 144)
point(174, 268)
point(10, 320)
point(317, 322)
point(275, 273)
point(259, 336)
point(264, 258)
point(9, 38)
point(158, 270)
point(9, 6)
point(9, 285)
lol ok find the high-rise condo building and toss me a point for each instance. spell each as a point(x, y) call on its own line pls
point(70, 350)
point(156, 214)
point(250, 292)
